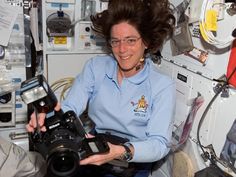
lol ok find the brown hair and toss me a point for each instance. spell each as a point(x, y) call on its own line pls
point(153, 19)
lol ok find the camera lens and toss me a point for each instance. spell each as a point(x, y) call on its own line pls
point(63, 164)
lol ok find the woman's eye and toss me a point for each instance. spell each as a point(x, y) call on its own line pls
point(130, 41)
point(114, 41)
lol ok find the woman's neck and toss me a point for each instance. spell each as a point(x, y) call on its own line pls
point(128, 73)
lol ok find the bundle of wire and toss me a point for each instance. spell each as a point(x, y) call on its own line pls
point(208, 35)
point(64, 84)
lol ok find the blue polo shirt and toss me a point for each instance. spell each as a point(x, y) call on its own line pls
point(140, 109)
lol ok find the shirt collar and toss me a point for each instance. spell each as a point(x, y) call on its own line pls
point(111, 71)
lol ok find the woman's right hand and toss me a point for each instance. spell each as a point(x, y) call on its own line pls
point(32, 125)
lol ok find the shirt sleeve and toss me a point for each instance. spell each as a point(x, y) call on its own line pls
point(159, 128)
point(80, 91)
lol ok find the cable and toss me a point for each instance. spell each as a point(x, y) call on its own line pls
point(203, 117)
point(226, 84)
point(208, 35)
point(64, 83)
point(73, 23)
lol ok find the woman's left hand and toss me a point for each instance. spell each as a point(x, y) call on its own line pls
point(115, 152)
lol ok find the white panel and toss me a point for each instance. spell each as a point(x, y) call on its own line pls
point(64, 66)
point(183, 93)
point(221, 114)
point(218, 120)
point(183, 90)
point(82, 38)
point(216, 64)
point(225, 116)
point(60, 66)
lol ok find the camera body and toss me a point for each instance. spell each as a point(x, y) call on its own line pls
point(64, 143)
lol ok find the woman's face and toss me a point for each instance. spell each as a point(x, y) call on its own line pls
point(127, 47)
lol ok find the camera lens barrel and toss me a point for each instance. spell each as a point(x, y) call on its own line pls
point(63, 163)
point(62, 153)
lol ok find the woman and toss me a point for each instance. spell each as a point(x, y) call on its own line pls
point(126, 95)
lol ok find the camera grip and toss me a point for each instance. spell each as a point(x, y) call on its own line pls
point(92, 146)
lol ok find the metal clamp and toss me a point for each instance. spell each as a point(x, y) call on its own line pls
point(16, 136)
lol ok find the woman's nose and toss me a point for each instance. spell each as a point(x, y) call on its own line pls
point(122, 46)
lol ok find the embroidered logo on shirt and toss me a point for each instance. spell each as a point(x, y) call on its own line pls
point(141, 106)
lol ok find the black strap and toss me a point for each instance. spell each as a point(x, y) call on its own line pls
point(117, 140)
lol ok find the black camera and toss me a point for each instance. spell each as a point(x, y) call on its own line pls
point(64, 143)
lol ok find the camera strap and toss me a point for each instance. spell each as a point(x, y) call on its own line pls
point(113, 138)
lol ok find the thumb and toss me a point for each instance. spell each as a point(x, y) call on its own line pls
point(57, 107)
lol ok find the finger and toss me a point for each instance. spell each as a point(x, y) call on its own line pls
point(41, 119)
point(89, 135)
point(29, 128)
point(97, 159)
point(32, 121)
point(86, 161)
point(43, 129)
point(57, 107)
